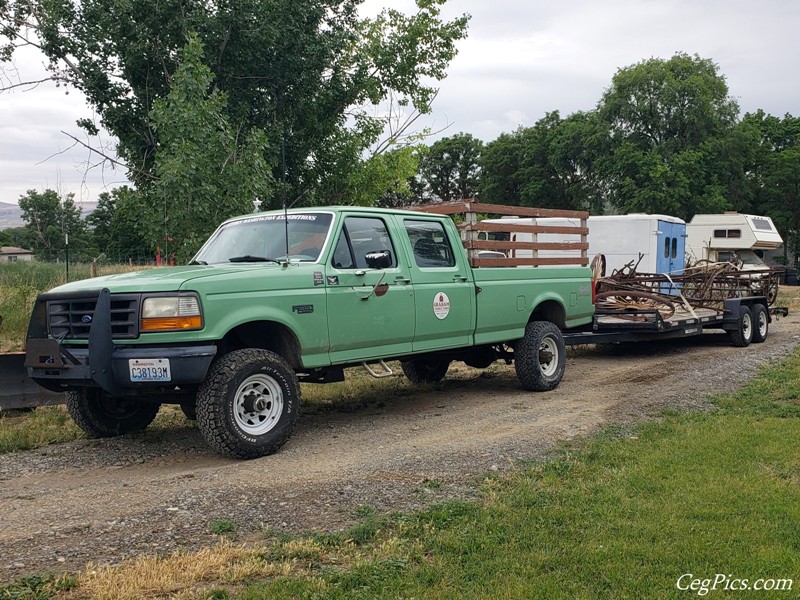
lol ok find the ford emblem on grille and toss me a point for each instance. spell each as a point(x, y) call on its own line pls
point(86, 318)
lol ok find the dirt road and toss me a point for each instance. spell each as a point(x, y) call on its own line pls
point(104, 501)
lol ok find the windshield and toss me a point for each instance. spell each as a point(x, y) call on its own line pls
point(262, 238)
point(747, 257)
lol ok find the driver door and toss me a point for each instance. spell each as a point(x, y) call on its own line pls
point(370, 311)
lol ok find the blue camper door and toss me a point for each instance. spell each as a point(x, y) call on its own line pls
point(671, 248)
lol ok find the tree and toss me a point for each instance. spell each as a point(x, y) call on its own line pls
point(49, 219)
point(207, 169)
point(668, 122)
point(15, 236)
point(548, 165)
point(450, 168)
point(307, 74)
point(116, 226)
point(774, 173)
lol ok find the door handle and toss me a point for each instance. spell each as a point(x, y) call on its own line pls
point(401, 279)
point(460, 278)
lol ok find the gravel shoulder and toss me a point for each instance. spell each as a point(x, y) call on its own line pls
point(105, 501)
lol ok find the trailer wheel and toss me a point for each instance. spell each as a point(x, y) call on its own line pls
point(248, 404)
point(540, 357)
point(101, 415)
point(743, 334)
point(425, 371)
point(760, 323)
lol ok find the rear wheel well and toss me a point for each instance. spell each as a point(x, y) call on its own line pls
point(266, 335)
point(552, 311)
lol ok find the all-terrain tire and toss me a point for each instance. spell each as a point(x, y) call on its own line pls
point(100, 415)
point(540, 357)
point(425, 371)
point(743, 334)
point(760, 323)
point(248, 405)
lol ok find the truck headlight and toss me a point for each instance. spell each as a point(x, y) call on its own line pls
point(171, 313)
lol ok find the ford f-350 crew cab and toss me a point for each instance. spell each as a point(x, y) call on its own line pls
point(276, 298)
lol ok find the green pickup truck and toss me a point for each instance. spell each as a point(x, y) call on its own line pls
point(277, 298)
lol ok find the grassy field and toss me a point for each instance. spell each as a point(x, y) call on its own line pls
point(685, 501)
point(20, 282)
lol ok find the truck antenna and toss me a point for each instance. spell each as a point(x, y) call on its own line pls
point(283, 192)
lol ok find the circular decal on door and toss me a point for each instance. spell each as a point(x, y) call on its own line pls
point(441, 305)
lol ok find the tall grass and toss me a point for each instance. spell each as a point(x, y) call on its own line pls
point(20, 282)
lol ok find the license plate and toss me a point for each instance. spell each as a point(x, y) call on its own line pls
point(154, 369)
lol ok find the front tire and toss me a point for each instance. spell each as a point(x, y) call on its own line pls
point(101, 415)
point(540, 357)
point(425, 371)
point(248, 405)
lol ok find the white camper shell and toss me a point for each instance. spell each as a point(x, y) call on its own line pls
point(659, 239)
point(717, 237)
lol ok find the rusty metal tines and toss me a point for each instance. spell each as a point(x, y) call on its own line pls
point(702, 285)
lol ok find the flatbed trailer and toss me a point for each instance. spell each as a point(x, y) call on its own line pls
point(745, 319)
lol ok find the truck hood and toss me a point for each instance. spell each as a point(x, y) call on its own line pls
point(164, 279)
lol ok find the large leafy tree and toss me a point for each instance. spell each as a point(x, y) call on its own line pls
point(774, 173)
point(669, 121)
point(307, 74)
point(52, 221)
point(207, 170)
point(450, 168)
point(547, 165)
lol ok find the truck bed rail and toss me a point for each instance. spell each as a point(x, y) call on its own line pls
point(499, 250)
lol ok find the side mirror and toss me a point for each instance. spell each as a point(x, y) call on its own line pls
point(379, 259)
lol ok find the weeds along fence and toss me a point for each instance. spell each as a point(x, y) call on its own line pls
point(20, 282)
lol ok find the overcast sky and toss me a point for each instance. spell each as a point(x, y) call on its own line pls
point(522, 59)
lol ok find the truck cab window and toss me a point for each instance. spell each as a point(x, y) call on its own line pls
point(430, 244)
point(359, 237)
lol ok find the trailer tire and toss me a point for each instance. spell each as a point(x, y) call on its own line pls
point(425, 371)
point(248, 405)
point(760, 323)
point(101, 415)
point(540, 357)
point(743, 334)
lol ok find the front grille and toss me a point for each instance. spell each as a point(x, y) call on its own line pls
point(71, 318)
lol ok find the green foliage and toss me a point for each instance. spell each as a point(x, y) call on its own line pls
point(15, 236)
point(304, 75)
point(668, 121)
point(450, 168)
point(549, 165)
point(207, 170)
point(116, 225)
point(222, 526)
point(50, 221)
point(773, 172)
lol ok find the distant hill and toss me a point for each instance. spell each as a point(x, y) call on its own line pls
point(11, 215)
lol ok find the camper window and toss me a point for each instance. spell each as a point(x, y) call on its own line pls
point(762, 224)
point(727, 233)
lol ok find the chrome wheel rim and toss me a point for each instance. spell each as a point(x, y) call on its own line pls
point(258, 404)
